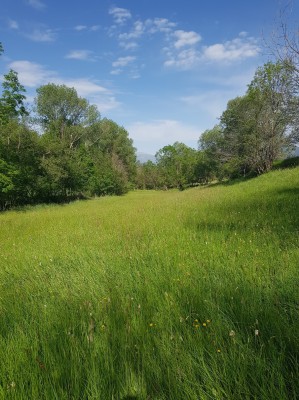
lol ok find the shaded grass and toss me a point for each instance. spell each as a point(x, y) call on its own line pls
point(156, 295)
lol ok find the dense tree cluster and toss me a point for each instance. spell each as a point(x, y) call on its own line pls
point(77, 154)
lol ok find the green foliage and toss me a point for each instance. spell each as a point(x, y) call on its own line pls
point(12, 100)
point(257, 128)
point(210, 165)
point(149, 176)
point(77, 155)
point(154, 295)
point(59, 108)
point(177, 163)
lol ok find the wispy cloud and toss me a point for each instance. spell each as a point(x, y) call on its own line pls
point(211, 103)
point(83, 55)
point(92, 28)
point(13, 24)
point(80, 27)
point(130, 40)
point(185, 59)
point(33, 75)
point(135, 33)
point(120, 15)
point(42, 35)
point(123, 61)
point(160, 25)
point(37, 4)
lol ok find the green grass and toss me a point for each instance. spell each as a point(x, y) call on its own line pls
point(155, 295)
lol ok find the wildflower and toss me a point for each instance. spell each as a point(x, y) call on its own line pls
point(232, 333)
point(151, 324)
point(208, 321)
point(218, 351)
point(256, 332)
point(204, 324)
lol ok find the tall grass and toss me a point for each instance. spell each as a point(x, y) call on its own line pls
point(155, 295)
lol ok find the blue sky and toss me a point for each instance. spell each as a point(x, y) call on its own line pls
point(162, 69)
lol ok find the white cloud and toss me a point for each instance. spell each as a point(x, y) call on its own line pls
point(120, 15)
point(42, 35)
point(184, 38)
point(37, 4)
point(237, 49)
point(84, 55)
point(123, 61)
point(152, 136)
point(34, 75)
point(84, 86)
point(240, 48)
point(182, 52)
point(13, 24)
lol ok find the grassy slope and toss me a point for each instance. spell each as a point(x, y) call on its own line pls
point(155, 295)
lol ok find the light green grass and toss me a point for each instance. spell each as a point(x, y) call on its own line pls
point(155, 295)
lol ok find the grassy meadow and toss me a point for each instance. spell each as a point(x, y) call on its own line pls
point(154, 295)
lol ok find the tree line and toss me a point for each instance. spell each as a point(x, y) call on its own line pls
point(254, 131)
point(65, 150)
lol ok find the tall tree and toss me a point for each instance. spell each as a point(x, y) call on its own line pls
point(258, 126)
point(12, 100)
point(211, 158)
point(177, 163)
point(60, 109)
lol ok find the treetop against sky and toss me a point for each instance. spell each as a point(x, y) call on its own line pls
point(165, 70)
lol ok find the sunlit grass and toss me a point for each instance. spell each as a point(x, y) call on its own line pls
point(155, 295)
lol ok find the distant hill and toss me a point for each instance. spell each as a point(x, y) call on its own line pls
point(144, 157)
